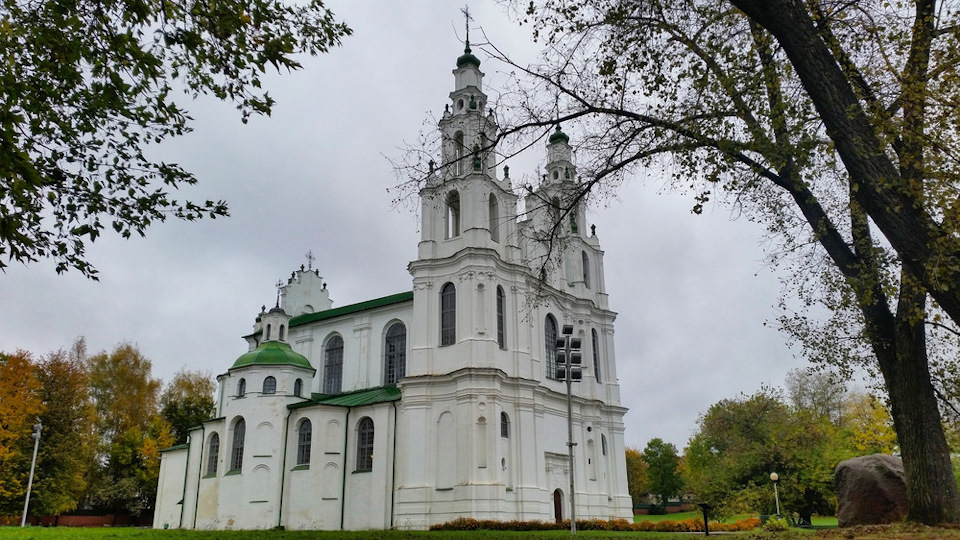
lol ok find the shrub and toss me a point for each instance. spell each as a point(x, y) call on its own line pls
point(775, 524)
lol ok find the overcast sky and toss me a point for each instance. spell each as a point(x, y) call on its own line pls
point(692, 292)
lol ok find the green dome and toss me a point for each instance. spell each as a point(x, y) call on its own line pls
point(559, 136)
point(272, 353)
point(468, 58)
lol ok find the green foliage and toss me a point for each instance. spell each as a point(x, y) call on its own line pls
point(187, 401)
point(636, 475)
point(688, 525)
point(69, 442)
point(93, 84)
point(739, 442)
point(776, 524)
point(663, 469)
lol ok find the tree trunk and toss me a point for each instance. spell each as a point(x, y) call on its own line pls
point(931, 488)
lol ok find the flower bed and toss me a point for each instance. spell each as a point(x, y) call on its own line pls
point(687, 525)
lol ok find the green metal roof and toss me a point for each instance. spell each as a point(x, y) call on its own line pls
point(369, 396)
point(558, 136)
point(272, 353)
point(467, 58)
point(176, 447)
point(352, 308)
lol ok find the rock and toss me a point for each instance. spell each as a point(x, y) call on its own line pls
point(870, 490)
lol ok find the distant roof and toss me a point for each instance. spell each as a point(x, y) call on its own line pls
point(352, 308)
point(381, 394)
point(273, 353)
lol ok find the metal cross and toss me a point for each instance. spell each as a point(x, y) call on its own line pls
point(310, 259)
point(279, 286)
point(467, 18)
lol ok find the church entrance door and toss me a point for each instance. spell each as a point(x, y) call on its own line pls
point(558, 505)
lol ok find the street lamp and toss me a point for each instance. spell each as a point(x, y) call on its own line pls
point(37, 428)
point(776, 494)
point(569, 369)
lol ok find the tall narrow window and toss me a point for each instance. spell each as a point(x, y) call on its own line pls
point(603, 443)
point(448, 314)
point(298, 387)
point(395, 354)
point(494, 218)
point(501, 319)
point(236, 455)
point(241, 387)
point(213, 454)
point(268, 333)
point(586, 268)
point(458, 164)
point(504, 425)
point(270, 385)
point(333, 366)
point(596, 354)
point(282, 329)
point(453, 215)
point(365, 444)
point(550, 346)
point(304, 437)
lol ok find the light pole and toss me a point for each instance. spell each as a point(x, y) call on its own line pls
point(776, 494)
point(569, 369)
point(37, 428)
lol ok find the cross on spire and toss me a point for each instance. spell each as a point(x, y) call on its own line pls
point(466, 21)
point(279, 286)
point(310, 259)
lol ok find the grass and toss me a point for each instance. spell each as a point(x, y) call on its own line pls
point(901, 531)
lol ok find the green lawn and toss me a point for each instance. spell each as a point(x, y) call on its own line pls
point(58, 533)
point(821, 522)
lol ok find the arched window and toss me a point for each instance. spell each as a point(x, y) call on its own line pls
point(494, 211)
point(586, 268)
point(458, 164)
point(448, 314)
point(365, 444)
point(596, 354)
point(282, 328)
point(501, 318)
point(504, 425)
point(241, 387)
point(267, 338)
point(333, 366)
point(550, 346)
point(304, 436)
point(453, 215)
point(395, 354)
point(603, 443)
point(213, 453)
point(270, 385)
point(298, 387)
point(236, 455)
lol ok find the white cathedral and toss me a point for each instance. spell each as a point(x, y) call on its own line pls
point(435, 403)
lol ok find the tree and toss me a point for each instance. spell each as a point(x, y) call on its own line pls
point(869, 425)
point(69, 441)
point(817, 392)
point(130, 429)
point(19, 409)
point(93, 85)
point(825, 121)
point(636, 476)
point(187, 401)
point(663, 472)
point(739, 442)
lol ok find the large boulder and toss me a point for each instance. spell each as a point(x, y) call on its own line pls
point(870, 490)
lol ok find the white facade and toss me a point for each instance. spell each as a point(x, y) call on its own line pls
point(417, 408)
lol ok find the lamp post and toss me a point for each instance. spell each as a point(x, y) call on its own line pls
point(36, 444)
point(569, 369)
point(776, 494)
